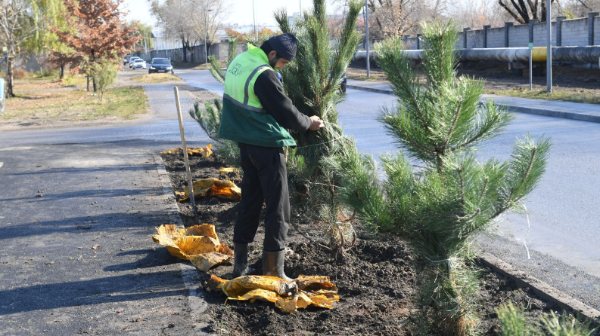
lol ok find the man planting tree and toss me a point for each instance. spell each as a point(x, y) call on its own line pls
point(256, 114)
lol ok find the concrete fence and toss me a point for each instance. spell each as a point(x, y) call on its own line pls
point(195, 55)
point(576, 32)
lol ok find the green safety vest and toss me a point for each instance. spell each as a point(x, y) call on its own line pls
point(243, 118)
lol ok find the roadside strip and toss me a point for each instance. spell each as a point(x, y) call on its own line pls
point(195, 302)
point(542, 289)
point(503, 101)
point(522, 279)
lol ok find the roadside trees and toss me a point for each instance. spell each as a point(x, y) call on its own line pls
point(189, 21)
point(98, 30)
point(441, 204)
point(22, 27)
point(524, 12)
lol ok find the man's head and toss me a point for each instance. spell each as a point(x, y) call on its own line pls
point(280, 49)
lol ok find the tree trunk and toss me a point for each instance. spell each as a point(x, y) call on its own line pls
point(9, 77)
point(94, 82)
point(184, 53)
point(88, 83)
point(62, 71)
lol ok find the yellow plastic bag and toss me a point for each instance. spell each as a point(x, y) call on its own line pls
point(224, 189)
point(202, 152)
point(226, 170)
point(198, 244)
point(288, 296)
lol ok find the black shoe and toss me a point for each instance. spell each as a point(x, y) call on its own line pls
point(273, 262)
point(240, 260)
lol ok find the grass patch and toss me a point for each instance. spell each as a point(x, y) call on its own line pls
point(154, 78)
point(191, 65)
point(564, 94)
point(367, 79)
point(75, 105)
point(43, 84)
point(25, 85)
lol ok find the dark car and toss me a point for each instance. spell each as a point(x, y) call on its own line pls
point(160, 65)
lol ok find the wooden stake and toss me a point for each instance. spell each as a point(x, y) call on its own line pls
point(185, 153)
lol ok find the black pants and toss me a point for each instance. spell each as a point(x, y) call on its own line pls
point(265, 180)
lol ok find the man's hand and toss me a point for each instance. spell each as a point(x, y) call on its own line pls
point(316, 124)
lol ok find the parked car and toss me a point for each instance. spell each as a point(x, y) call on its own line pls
point(131, 60)
point(139, 63)
point(160, 65)
point(126, 59)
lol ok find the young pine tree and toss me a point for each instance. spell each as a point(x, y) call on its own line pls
point(312, 82)
point(439, 206)
point(215, 67)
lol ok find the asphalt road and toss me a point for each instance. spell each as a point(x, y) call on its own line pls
point(77, 211)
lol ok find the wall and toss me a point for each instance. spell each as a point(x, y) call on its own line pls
point(196, 55)
point(574, 33)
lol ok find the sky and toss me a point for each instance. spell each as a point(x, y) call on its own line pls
point(240, 10)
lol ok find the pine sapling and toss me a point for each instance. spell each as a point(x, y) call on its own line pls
point(312, 82)
point(440, 206)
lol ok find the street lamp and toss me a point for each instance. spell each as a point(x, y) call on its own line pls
point(254, 19)
point(549, 47)
point(367, 37)
point(206, 34)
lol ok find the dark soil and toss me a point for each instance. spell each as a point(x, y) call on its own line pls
point(376, 277)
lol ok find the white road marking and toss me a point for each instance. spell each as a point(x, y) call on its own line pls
point(1, 164)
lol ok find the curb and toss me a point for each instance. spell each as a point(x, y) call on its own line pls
point(542, 289)
point(189, 274)
point(512, 108)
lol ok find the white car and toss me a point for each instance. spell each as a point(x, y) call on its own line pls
point(139, 63)
point(131, 60)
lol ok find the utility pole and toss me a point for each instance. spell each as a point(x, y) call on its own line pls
point(254, 19)
point(549, 51)
point(206, 34)
point(367, 37)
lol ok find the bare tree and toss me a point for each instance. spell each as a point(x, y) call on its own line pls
point(478, 13)
point(16, 25)
point(525, 11)
point(207, 24)
point(396, 17)
point(578, 8)
point(189, 20)
point(389, 18)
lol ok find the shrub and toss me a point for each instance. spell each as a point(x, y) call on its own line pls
point(19, 73)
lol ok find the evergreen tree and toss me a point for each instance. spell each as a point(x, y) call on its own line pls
point(441, 205)
point(215, 67)
point(312, 82)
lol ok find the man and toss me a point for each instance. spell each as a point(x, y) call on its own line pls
point(256, 114)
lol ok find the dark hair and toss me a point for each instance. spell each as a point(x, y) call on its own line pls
point(266, 47)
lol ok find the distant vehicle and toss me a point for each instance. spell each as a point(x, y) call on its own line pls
point(139, 63)
point(131, 60)
point(126, 59)
point(160, 65)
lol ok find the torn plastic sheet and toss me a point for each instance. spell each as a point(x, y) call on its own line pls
point(226, 170)
point(202, 152)
point(199, 244)
point(288, 296)
point(212, 187)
